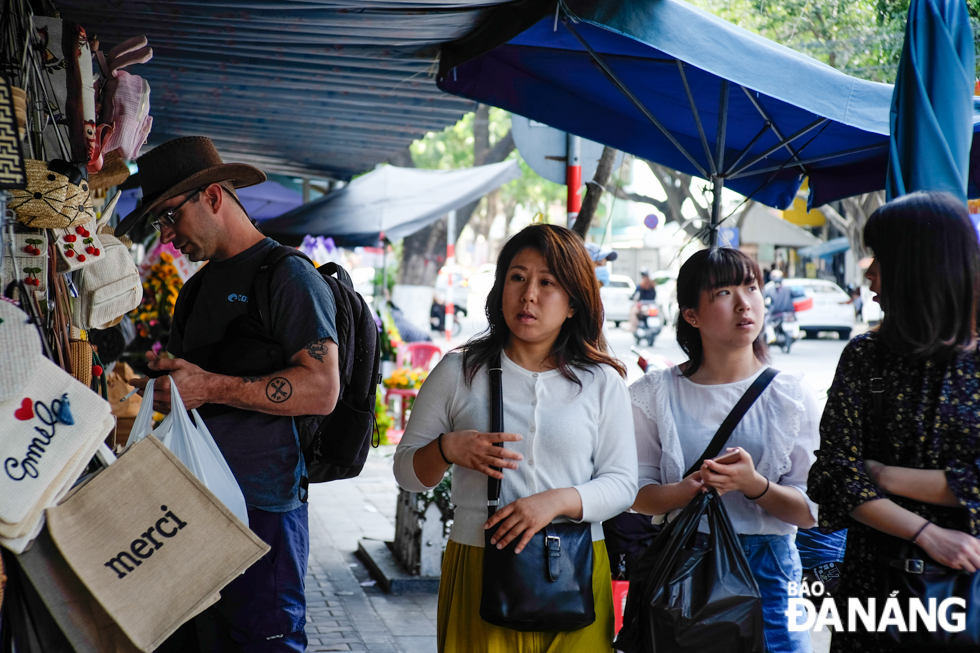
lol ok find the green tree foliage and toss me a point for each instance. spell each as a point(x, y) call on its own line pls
point(859, 37)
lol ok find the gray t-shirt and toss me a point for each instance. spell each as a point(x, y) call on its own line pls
point(262, 450)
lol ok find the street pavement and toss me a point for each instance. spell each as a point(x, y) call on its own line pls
point(345, 609)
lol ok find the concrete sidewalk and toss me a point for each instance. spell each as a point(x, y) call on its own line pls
point(345, 610)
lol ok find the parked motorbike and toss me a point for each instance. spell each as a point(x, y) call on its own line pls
point(648, 327)
point(782, 330)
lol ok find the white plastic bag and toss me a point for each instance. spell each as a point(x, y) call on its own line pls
point(195, 447)
point(143, 424)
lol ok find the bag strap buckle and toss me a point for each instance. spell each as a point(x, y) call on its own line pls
point(493, 503)
point(877, 385)
point(553, 542)
point(914, 566)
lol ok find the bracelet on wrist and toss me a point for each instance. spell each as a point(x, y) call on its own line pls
point(441, 452)
point(919, 532)
point(761, 495)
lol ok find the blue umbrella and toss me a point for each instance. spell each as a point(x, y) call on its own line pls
point(676, 85)
point(932, 106)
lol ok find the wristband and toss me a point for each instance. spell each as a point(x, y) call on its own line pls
point(441, 452)
point(761, 495)
point(919, 532)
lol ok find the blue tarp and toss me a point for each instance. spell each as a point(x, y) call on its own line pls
point(827, 249)
point(932, 108)
point(535, 61)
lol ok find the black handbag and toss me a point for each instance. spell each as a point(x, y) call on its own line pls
point(695, 592)
point(909, 573)
point(548, 586)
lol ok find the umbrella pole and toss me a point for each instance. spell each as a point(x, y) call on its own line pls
point(718, 184)
point(718, 181)
point(384, 274)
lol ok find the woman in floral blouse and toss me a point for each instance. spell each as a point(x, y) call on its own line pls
point(908, 469)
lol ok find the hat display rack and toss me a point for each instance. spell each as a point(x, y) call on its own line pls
point(52, 263)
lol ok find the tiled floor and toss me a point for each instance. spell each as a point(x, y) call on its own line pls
point(345, 611)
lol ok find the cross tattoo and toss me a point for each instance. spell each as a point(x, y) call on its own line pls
point(278, 390)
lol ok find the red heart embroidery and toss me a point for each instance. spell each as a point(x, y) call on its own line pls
point(26, 410)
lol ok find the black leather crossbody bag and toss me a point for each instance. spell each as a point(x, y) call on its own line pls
point(548, 586)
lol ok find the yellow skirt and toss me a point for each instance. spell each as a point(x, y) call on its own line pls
point(461, 630)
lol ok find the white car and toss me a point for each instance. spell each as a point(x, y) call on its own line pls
point(616, 300)
point(830, 312)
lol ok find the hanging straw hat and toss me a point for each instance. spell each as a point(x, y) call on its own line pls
point(114, 172)
point(181, 165)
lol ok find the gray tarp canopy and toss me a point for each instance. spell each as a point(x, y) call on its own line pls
point(391, 200)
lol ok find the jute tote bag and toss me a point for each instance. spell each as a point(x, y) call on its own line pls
point(150, 543)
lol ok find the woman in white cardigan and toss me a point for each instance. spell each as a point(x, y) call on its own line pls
point(678, 410)
point(568, 453)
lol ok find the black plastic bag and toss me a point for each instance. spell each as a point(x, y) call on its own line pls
point(686, 595)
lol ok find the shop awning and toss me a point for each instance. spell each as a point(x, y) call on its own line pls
point(392, 200)
point(326, 88)
point(763, 225)
point(827, 249)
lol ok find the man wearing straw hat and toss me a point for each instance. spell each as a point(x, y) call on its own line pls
point(222, 366)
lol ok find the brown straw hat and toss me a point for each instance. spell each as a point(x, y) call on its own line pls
point(181, 165)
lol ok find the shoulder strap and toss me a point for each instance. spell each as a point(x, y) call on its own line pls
point(738, 412)
point(496, 426)
point(263, 277)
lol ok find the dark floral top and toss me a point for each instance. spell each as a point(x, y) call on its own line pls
point(930, 419)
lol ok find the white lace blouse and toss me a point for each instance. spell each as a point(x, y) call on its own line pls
point(675, 419)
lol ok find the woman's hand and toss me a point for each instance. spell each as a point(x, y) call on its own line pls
point(738, 476)
point(475, 450)
point(691, 485)
point(874, 469)
point(949, 547)
point(530, 514)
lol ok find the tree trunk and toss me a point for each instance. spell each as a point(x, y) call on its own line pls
point(594, 192)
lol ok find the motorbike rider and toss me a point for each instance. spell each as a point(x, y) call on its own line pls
point(646, 292)
point(782, 299)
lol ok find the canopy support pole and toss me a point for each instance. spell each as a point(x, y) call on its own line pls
point(697, 118)
point(718, 181)
point(781, 144)
point(815, 159)
point(772, 125)
point(618, 83)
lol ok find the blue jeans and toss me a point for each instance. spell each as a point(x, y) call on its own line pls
point(264, 609)
point(775, 562)
point(818, 548)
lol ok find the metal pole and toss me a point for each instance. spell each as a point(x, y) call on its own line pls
point(306, 190)
point(718, 181)
point(573, 177)
point(450, 264)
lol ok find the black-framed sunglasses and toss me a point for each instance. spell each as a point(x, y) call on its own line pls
point(169, 217)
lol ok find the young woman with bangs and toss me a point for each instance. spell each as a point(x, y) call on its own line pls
point(569, 451)
point(906, 467)
point(677, 411)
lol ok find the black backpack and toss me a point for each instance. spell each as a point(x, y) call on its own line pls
point(334, 446)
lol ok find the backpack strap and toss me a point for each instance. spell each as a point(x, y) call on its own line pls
point(738, 412)
point(263, 280)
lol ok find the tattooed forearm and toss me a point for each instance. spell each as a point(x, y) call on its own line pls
point(317, 349)
point(278, 390)
point(251, 379)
